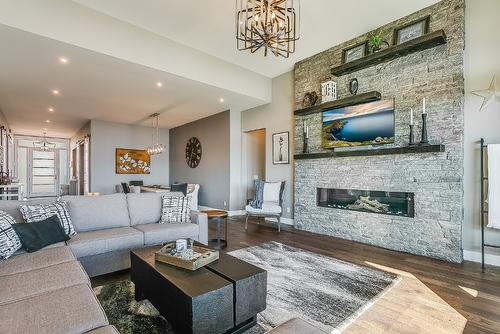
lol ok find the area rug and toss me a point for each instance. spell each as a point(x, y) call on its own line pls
point(324, 291)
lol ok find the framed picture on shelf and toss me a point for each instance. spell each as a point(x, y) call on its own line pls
point(411, 31)
point(354, 52)
point(281, 148)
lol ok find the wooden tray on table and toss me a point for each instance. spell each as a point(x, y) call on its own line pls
point(202, 257)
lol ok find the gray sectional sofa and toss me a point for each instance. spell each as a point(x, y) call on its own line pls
point(49, 291)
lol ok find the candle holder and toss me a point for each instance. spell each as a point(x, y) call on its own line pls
point(305, 147)
point(412, 135)
point(425, 139)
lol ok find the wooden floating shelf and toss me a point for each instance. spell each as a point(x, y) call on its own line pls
point(371, 152)
point(427, 41)
point(348, 101)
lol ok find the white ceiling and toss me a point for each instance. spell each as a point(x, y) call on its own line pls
point(119, 49)
point(209, 25)
point(94, 86)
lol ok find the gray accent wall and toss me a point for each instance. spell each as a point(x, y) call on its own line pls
point(436, 179)
point(213, 171)
point(105, 138)
point(276, 117)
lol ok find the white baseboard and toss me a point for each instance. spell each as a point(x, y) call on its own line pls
point(286, 221)
point(474, 256)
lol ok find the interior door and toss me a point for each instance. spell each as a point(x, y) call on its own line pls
point(43, 173)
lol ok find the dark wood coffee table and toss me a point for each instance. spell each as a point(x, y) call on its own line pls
point(223, 297)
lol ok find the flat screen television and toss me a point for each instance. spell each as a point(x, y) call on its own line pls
point(363, 124)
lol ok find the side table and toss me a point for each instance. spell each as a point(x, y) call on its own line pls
point(218, 216)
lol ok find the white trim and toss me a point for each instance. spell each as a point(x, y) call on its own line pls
point(474, 256)
point(286, 221)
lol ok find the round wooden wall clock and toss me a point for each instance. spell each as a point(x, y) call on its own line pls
point(193, 152)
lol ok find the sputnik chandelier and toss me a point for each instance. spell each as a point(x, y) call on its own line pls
point(156, 147)
point(270, 24)
point(44, 145)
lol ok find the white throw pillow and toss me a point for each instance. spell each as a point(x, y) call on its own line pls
point(9, 241)
point(36, 213)
point(271, 192)
point(176, 209)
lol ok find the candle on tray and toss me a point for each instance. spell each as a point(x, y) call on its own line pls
point(307, 131)
point(424, 109)
point(411, 116)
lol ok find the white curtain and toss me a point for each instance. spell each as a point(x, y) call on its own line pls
point(494, 186)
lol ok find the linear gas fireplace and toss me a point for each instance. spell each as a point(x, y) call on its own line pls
point(381, 202)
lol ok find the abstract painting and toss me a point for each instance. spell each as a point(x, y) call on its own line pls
point(130, 161)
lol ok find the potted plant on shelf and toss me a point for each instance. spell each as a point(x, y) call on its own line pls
point(376, 42)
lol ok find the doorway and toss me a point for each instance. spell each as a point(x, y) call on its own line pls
point(42, 172)
point(254, 159)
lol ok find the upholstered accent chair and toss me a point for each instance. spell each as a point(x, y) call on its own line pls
point(272, 202)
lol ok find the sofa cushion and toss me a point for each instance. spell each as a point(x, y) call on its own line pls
point(59, 244)
point(41, 234)
point(9, 240)
point(272, 191)
point(36, 282)
point(145, 208)
point(155, 234)
point(72, 310)
point(176, 209)
point(40, 212)
point(91, 213)
point(271, 208)
point(32, 261)
point(104, 330)
point(12, 207)
point(104, 241)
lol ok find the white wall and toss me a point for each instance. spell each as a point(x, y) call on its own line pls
point(276, 117)
point(105, 137)
point(482, 61)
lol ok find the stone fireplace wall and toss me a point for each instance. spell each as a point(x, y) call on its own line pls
point(435, 178)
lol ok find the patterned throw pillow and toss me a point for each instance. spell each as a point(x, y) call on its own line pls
point(9, 241)
point(176, 209)
point(36, 213)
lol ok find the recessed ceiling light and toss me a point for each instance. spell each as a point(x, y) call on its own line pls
point(159, 84)
point(47, 121)
point(44, 129)
point(221, 100)
point(63, 60)
point(51, 109)
point(55, 92)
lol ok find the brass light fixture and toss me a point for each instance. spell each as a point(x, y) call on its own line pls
point(44, 145)
point(270, 24)
point(156, 147)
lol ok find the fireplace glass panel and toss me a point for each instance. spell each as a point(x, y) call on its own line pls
point(381, 202)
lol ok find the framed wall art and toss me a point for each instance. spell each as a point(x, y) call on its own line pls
point(354, 52)
point(130, 161)
point(411, 31)
point(281, 148)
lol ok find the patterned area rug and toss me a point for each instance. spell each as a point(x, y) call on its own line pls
point(324, 291)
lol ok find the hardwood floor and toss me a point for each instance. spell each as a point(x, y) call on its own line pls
point(433, 296)
point(472, 295)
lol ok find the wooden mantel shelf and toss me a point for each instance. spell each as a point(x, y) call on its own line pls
point(348, 101)
point(372, 152)
point(424, 42)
